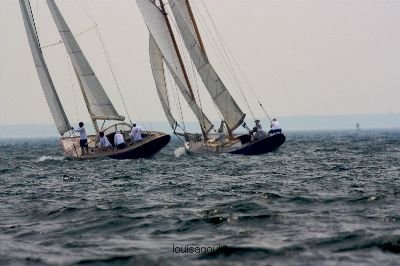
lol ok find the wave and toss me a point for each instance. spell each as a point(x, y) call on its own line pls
point(50, 158)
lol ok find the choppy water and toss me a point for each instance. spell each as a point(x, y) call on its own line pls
point(324, 198)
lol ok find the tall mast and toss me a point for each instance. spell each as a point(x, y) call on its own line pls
point(180, 58)
point(196, 29)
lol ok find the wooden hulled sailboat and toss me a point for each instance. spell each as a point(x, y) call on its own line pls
point(165, 53)
point(98, 104)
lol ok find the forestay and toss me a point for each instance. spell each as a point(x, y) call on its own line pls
point(229, 109)
point(157, 25)
point(98, 103)
point(49, 90)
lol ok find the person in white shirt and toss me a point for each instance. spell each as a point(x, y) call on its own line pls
point(136, 133)
point(119, 140)
point(258, 134)
point(275, 127)
point(104, 144)
point(83, 143)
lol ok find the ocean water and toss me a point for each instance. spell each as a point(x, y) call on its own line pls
point(324, 198)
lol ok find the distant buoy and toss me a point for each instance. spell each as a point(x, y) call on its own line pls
point(358, 126)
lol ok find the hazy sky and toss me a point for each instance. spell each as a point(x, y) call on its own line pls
point(307, 57)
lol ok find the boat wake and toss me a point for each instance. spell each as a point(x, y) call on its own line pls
point(50, 158)
point(179, 151)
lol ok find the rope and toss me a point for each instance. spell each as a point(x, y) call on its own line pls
point(73, 88)
point(77, 35)
point(193, 76)
point(224, 56)
point(112, 71)
point(230, 56)
point(177, 100)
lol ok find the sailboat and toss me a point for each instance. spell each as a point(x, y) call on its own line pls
point(97, 102)
point(165, 54)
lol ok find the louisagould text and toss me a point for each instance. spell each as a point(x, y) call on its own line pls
point(188, 249)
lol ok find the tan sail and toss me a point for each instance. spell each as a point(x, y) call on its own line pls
point(98, 103)
point(227, 106)
point(158, 28)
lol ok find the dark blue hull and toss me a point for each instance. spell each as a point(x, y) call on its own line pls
point(143, 151)
point(262, 146)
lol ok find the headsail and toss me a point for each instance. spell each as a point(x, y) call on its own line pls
point(157, 25)
point(98, 103)
point(229, 109)
point(49, 90)
point(156, 60)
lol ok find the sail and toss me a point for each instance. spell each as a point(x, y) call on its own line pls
point(98, 103)
point(227, 106)
point(156, 60)
point(157, 25)
point(49, 90)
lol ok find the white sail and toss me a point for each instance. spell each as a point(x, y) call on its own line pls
point(98, 103)
point(229, 109)
point(49, 90)
point(157, 25)
point(157, 66)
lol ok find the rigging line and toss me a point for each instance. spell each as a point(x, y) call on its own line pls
point(236, 63)
point(73, 87)
point(251, 87)
point(91, 16)
point(226, 58)
point(37, 17)
point(176, 99)
point(192, 77)
point(77, 35)
point(112, 71)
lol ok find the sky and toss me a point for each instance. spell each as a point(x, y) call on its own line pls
point(301, 57)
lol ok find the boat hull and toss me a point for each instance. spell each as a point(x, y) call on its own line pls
point(241, 145)
point(268, 144)
point(150, 145)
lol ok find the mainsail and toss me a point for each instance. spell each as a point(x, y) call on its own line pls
point(97, 101)
point(49, 90)
point(229, 109)
point(158, 27)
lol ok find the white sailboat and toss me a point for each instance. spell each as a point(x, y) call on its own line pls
point(165, 53)
point(98, 104)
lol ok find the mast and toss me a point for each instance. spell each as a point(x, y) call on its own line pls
point(180, 59)
point(177, 49)
point(196, 29)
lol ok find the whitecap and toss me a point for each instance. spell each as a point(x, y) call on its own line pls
point(50, 158)
point(179, 151)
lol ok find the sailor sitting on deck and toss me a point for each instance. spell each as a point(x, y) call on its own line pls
point(258, 134)
point(104, 144)
point(83, 142)
point(136, 133)
point(119, 140)
point(275, 127)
